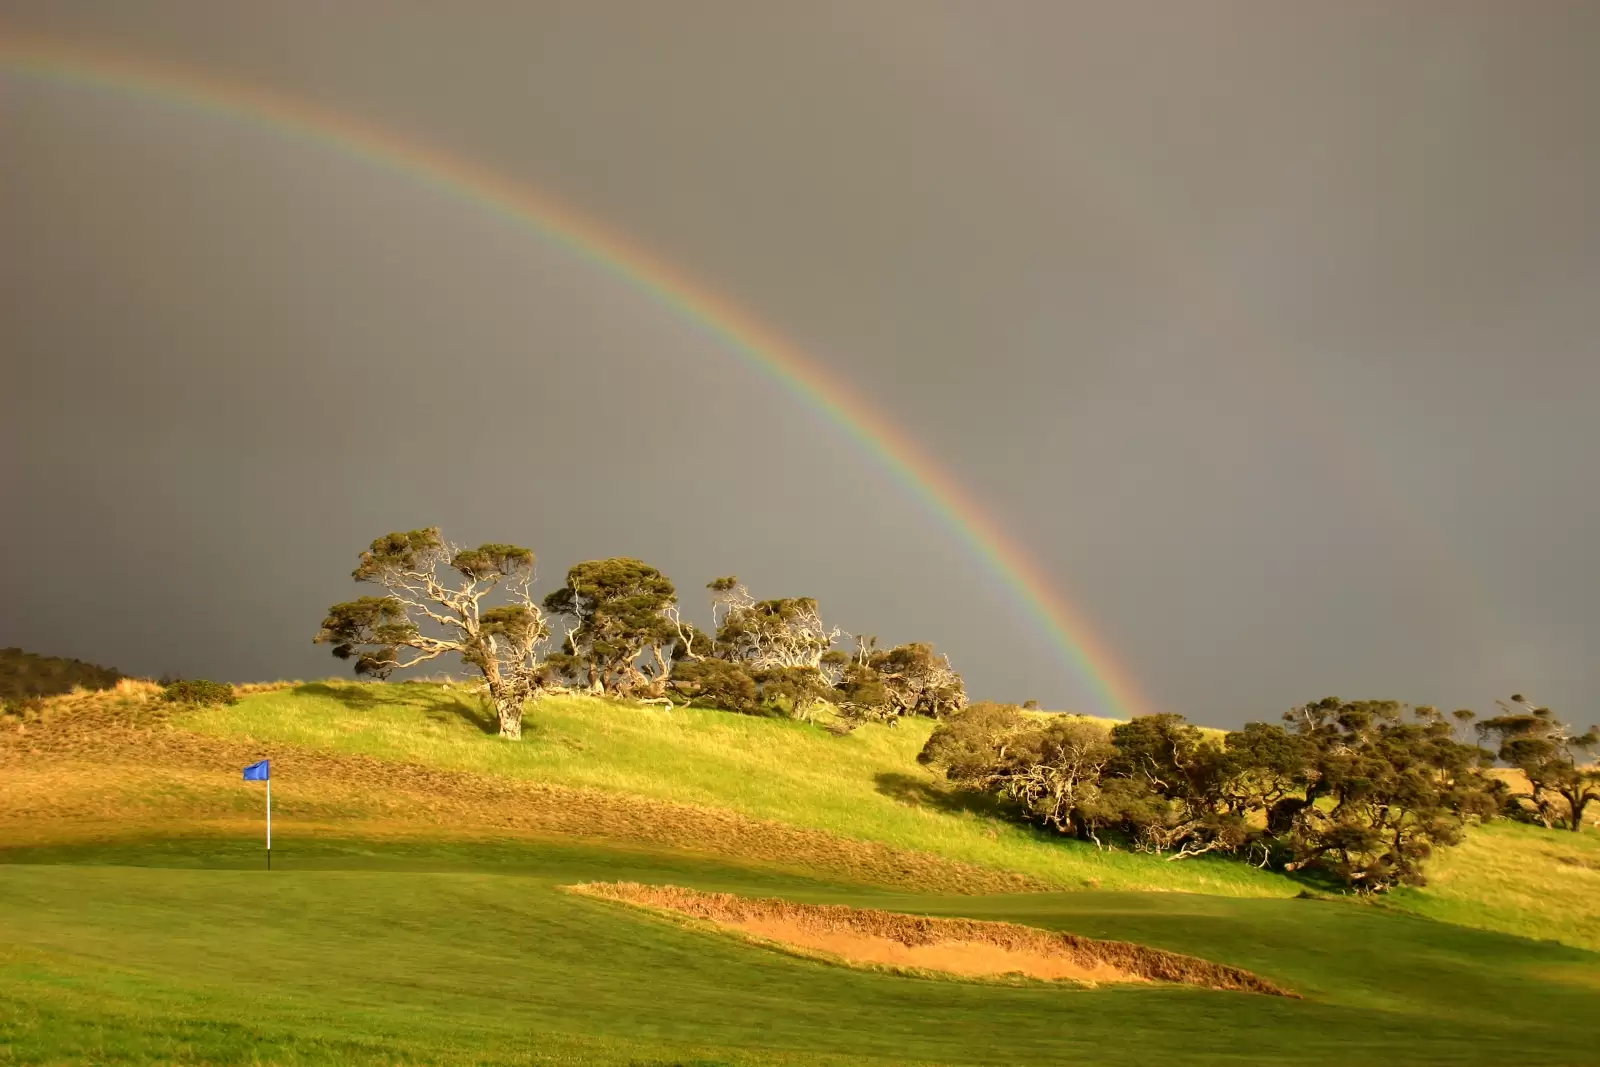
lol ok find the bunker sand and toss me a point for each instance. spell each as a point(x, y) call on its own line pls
point(967, 948)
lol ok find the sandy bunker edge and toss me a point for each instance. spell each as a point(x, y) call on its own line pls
point(966, 947)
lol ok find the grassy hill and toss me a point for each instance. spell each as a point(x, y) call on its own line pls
point(866, 786)
point(414, 913)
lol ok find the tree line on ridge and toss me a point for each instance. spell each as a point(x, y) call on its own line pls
point(621, 634)
point(1358, 793)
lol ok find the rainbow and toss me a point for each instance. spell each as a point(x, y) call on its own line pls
point(1111, 687)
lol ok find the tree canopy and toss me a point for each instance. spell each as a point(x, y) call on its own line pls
point(434, 605)
point(1359, 792)
point(619, 608)
point(1557, 761)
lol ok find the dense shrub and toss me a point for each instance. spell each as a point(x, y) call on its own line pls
point(1356, 791)
point(24, 675)
point(796, 691)
point(199, 692)
point(716, 683)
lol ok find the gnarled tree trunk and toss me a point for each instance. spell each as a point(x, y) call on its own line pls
point(510, 715)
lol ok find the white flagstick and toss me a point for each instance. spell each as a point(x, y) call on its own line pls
point(269, 824)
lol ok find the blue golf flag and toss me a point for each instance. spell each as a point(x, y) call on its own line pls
point(257, 772)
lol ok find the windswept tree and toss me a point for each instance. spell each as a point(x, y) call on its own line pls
point(1182, 779)
point(434, 604)
point(692, 643)
point(769, 634)
point(1380, 792)
point(1053, 770)
point(1271, 768)
point(619, 610)
point(799, 691)
point(918, 681)
point(726, 594)
point(1558, 761)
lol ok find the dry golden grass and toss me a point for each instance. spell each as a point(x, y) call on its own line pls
point(968, 947)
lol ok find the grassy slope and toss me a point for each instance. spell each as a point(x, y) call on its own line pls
point(1517, 878)
point(866, 786)
point(1507, 877)
point(370, 953)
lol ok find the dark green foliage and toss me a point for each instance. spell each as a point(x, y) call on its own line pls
point(620, 608)
point(975, 744)
point(860, 690)
point(1268, 772)
point(918, 681)
point(199, 692)
point(371, 630)
point(796, 690)
point(414, 552)
point(486, 561)
point(716, 683)
point(1355, 791)
point(516, 621)
point(1556, 760)
point(1175, 788)
point(1379, 791)
point(24, 675)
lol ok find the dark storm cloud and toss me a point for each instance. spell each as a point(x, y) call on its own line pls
point(1269, 330)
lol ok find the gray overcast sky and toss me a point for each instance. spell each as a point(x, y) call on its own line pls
point(1269, 329)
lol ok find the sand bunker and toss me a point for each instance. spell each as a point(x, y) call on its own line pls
point(972, 959)
point(965, 947)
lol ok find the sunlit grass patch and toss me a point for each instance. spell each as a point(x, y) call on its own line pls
point(1519, 879)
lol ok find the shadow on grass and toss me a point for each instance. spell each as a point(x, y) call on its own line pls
point(909, 789)
point(435, 702)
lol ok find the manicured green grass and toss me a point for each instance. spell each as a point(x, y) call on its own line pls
point(867, 785)
point(365, 952)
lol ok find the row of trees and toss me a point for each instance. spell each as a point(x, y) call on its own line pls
point(1556, 762)
point(1361, 792)
point(622, 634)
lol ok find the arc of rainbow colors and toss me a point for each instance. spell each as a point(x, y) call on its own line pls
point(757, 344)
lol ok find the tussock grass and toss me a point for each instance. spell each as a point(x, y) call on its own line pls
point(866, 786)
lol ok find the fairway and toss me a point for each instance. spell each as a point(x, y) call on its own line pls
point(185, 951)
